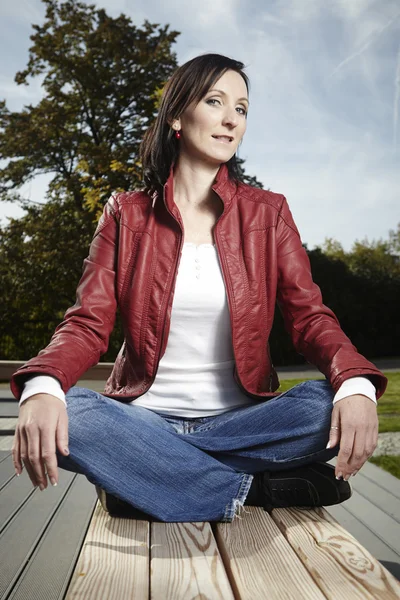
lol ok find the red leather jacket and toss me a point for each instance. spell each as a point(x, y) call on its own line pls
point(133, 263)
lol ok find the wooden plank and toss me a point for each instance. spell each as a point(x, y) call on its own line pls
point(9, 408)
point(259, 561)
point(7, 471)
point(342, 568)
point(114, 561)
point(7, 427)
point(385, 480)
point(186, 563)
point(374, 544)
point(378, 521)
point(381, 497)
point(20, 535)
point(375, 474)
point(14, 493)
point(6, 442)
point(48, 572)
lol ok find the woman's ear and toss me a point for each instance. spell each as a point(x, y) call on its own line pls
point(174, 123)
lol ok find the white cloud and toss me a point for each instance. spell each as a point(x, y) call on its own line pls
point(22, 10)
point(19, 95)
point(327, 143)
point(371, 32)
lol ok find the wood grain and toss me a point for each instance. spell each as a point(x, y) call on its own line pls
point(114, 561)
point(260, 562)
point(339, 564)
point(186, 563)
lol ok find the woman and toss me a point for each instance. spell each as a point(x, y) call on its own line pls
point(190, 426)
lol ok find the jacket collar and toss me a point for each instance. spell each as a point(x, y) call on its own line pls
point(223, 186)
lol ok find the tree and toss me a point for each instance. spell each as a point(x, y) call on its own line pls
point(102, 81)
point(41, 258)
point(101, 77)
point(394, 241)
point(375, 260)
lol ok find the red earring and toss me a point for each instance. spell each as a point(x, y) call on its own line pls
point(177, 135)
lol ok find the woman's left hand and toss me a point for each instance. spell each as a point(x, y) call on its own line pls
point(357, 419)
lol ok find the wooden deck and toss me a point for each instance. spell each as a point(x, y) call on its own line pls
point(60, 544)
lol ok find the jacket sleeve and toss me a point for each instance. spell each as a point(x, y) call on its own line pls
point(313, 327)
point(82, 337)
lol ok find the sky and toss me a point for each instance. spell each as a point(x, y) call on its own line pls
point(324, 121)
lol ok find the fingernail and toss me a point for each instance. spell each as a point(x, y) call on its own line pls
point(346, 477)
point(53, 481)
point(17, 474)
point(66, 450)
point(339, 475)
point(41, 486)
point(328, 444)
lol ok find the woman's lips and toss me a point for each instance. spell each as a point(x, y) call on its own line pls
point(224, 140)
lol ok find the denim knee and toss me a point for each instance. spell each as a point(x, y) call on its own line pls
point(320, 388)
point(317, 396)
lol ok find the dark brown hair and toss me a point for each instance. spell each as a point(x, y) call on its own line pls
point(190, 82)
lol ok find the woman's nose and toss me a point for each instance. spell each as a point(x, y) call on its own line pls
point(231, 117)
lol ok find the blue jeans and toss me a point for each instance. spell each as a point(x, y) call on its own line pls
point(180, 469)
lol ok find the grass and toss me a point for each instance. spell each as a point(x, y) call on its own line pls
point(388, 463)
point(388, 414)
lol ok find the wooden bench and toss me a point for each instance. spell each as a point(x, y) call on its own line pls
point(60, 543)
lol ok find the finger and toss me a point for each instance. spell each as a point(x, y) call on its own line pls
point(334, 435)
point(62, 433)
point(15, 451)
point(25, 457)
point(48, 452)
point(34, 454)
point(346, 449)
point(358, 456)
point(370, 444)
point(371, 440)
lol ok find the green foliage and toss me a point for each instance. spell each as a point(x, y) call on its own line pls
point(287, 384)
point(102, 80)
point(391, 464)
point(40, 264)
point(375, 260)
point(250, 180)
point(101, 77)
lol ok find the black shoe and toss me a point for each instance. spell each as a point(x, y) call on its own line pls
point(116, 507)
point(308, 486)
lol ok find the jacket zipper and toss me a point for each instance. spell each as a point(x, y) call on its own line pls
point(237, 378)
point(238, 381)
point(223, 264)
point(177, 261)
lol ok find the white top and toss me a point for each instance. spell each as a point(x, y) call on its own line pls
point(195, 375)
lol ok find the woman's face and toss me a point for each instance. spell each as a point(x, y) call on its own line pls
point(221, 112)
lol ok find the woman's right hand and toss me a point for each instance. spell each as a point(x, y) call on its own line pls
point(41, 426)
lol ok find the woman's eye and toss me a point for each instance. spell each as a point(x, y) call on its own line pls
point(212, 100)
point(244, 113)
